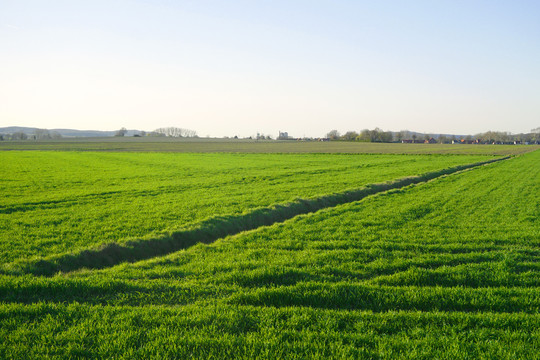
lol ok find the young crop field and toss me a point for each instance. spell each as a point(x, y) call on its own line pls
point(204, 145)
point(57, 202)
point(445, 265)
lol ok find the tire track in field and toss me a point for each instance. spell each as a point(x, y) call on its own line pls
point(212, 229)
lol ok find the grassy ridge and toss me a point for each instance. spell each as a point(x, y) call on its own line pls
point(444, 269)
point(57, 202)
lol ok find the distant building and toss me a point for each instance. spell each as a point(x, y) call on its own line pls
point(409, 141)
point(283, 135)
point(467, 141)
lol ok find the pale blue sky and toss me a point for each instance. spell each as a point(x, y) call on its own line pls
point(241, 67)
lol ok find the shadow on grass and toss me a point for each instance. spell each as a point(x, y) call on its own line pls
point(212, 229)
point(381, 298)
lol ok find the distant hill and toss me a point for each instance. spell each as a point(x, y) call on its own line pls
point(64, 132)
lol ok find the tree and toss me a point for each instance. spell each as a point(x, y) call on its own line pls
point(385, 136)
point(378, 135)
point(19, 135)
point(176, 132)
point(365, 135)
point(401, 135)
point(333, 135)
point(121, 132)
point(407, 135)
point(375, 135)
point(46, 134)
point(350, 135)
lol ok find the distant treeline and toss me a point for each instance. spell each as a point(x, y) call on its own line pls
point(378, 135)
point(167, 131)
point(37, 134)
point(176, 132)
point(44, 134)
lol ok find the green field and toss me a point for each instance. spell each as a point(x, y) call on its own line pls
point(64, 201)
point(447, 267)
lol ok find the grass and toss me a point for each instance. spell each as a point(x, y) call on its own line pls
point(212, 229)
point(63, 202)
point(443, 269)
point(80, 331)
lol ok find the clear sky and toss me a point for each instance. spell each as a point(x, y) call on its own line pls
point(242, 67)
